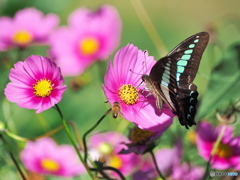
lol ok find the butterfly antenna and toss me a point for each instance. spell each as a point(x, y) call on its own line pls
point(145, 62)
point(135, 72)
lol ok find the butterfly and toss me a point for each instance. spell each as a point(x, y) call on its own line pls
point(171, 78)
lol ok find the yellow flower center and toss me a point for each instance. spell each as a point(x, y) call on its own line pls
point(89, 46)
point(191, 136)
point(139, 136)
point(115, 162)
point(224, 150)
point(43, 88)
point(128, 94)
point(50, 165)
point(105, 148)
point(22, 38)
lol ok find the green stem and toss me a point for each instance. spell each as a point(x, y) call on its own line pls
point(13, 158)
point(78, 138)
point(156, 165)
point(72, 141)
point(149, 27)
point(89, 131)
point(20, 54)
point(104, 175)
point(206, 173)
point(23, 139)
point(218, 141)
point(115, 170)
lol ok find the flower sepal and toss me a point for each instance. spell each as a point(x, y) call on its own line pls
point(142, 141)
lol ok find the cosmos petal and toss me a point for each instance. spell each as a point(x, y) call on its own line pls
point(126, 68)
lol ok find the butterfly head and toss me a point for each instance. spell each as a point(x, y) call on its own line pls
point(145, 78)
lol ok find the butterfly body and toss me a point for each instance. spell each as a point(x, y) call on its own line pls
point(171, 78)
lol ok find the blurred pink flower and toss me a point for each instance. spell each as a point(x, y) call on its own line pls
point(45, 157)
point(228, 151)
point(187, 171)
point(90, 36)
point(169, 163)
point(121, 84)
point(37, 83)
point(108, 145)
point(27, 27)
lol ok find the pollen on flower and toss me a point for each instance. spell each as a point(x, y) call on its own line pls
point(115, 161)
point(50, 165)
point(105, 148)
point(43, 88)
point(22, 38)
point(128, 94)
point(89, 46)
point(139, 136)
point(224, 150)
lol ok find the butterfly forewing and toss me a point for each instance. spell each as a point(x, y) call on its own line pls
point(188, 55)
point(172, 77)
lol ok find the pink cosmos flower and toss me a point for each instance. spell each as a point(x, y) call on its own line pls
point(108, 145)
point(37, 83)
point(122, 82)
point(169, 163)
point(45, 157)
point(228, 151)
point(90, 36)
point(27, 27)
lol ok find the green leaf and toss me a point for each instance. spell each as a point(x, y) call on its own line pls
point(224, 84)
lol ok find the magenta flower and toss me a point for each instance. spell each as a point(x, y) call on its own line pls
point(122, 82)
point(37, 83)
point(45, 157)
point(28, 26)
point(108, 145)
point(228, 151)
point(90, 36)
point(168, 161)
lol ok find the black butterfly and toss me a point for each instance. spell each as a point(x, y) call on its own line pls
point(171, 78)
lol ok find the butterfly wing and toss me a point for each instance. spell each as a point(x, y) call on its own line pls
point(163, 77)
point(188, 55)
point(173, 75)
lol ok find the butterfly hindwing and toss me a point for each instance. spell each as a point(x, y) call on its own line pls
point(172, 77)
point(188, 102)
point(163, 75)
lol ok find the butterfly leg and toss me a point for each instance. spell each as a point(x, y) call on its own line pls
point(159, 102)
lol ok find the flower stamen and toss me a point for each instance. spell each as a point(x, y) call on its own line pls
point(89, 46)
point(139, 136)
point(43, 88)
point(105, 148)
point(115, 161)
point(22, 38)
point(50, 165)
point(224, 150)
point(128, 94)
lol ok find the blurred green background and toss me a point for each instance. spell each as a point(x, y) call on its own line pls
point(174, 20)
